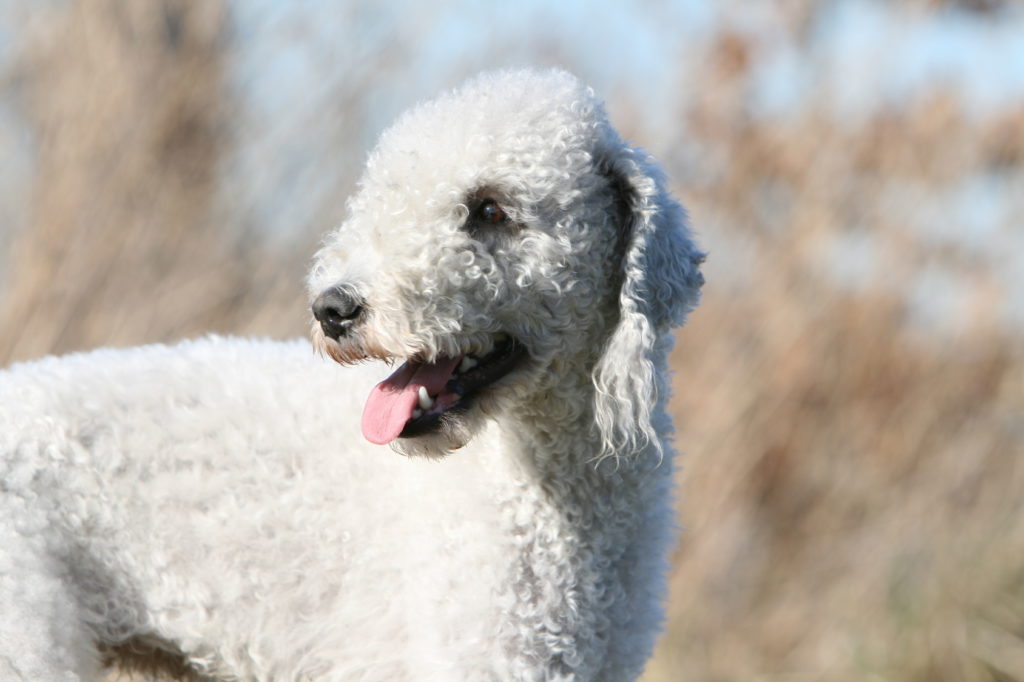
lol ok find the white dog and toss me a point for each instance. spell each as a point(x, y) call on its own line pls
point(228, 501)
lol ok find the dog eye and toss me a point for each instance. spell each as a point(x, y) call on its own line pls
point(489, 212)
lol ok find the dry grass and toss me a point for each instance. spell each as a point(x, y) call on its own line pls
point(852, 477)
point(852, 481)
point(851, 497)
point(129, 108)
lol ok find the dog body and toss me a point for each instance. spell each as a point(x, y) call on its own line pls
point(183, 520)
point(223, 499)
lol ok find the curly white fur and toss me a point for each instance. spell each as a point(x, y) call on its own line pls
point(215, 498)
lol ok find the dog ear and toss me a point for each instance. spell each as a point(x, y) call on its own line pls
point(660, 284)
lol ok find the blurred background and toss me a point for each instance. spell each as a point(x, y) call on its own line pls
point(850, 395)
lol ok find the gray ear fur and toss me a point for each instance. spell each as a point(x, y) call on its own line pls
point(661, 283)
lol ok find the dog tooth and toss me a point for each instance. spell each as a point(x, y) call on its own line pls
point(467, 364)
point(425, 401)
point(417, 413)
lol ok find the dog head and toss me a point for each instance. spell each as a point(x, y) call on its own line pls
point(503, 244)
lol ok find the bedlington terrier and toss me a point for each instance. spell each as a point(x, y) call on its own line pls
point(228, 501)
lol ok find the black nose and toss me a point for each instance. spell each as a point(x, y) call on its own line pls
point(337, 311)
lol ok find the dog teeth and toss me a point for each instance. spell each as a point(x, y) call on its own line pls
point(417, 413)
point(467, 364)
point(425, 400)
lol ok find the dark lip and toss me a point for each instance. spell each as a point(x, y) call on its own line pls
point(496, 365)
point(430, 423)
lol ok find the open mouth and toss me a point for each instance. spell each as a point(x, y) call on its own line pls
point(418, 395)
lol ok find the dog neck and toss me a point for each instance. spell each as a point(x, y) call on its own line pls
point(557, 444)
point(612, 518)
point(554, 429)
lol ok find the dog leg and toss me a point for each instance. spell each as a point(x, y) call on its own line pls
point(42, 638)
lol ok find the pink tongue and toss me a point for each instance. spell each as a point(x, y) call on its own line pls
point(392, 401)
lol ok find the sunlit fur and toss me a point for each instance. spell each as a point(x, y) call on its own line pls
point(595, 271)
point(216, 500)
